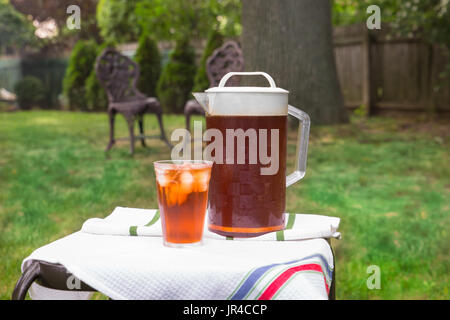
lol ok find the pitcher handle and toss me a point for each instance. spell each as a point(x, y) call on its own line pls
point(225, 78)
point(302, 146)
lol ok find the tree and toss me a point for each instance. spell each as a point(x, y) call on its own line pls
point(177, 78)
point(81, 64)
point(201, 81)
point(291, 40)
point(55, 10)
point(181, 19)
point(117, 20)
point(16, 31)
point(228, 14)
point(43, 10)
point(149, 60)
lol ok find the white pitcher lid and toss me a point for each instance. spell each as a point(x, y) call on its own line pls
point(222, 89)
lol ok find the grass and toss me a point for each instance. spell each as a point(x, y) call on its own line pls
point(387, 179)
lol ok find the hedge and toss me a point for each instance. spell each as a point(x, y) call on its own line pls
point(177, 79)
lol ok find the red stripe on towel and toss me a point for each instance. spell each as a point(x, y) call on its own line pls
point(282, 278)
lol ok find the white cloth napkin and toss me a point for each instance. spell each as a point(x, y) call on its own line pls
point(140, 267)
point(142, 222)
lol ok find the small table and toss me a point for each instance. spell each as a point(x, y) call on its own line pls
point(54, 275)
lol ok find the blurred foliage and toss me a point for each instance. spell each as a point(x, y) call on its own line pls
point(181, 19)
point(201, 81)
point(429, 19)
point(89, 26)
point(122, 20)
point(96, 98)
point(361, 111)
point(56, 10)
point(81, 64)
point(44, 10)
point(117, 20)
point(30, 92)
point(50, 70)
point(95, 94)
point(176, 81)
point(149, 60)
point(16, 31)
point(228, 14)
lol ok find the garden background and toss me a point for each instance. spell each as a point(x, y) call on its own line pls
point(383, 168)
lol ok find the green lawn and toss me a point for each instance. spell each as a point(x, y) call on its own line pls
point(387, 179)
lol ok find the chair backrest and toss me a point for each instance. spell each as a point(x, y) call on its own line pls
point(118, 74)
point(227, 58)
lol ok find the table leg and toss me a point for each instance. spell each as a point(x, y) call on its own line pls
point(30, 274)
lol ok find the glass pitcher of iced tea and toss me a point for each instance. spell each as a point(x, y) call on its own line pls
point(247, 136)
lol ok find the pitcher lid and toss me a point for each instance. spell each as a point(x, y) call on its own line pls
point(246, 90)
point(222, 89)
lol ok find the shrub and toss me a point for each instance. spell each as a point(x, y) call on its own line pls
point(116, 20)
point(81, 64)
point(96, 98)
point(176, 81)
point(50, 70)
point(30, 92)
point(201, 81)
point(149, 61)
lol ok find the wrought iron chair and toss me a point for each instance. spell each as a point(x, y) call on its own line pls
point(118, 74)
point(227, 58)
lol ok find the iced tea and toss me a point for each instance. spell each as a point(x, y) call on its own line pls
point(182, 199)
point(242, 201)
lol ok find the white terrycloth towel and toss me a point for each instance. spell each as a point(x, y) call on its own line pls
point(142, 222)
point(140, 267)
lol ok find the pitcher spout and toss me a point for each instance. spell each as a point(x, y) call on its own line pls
point(202, 99)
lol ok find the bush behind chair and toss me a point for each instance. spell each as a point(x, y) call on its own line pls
point(81, 64)
point(30, 93)
point(201, 81)
point(177, 79)
point(149, 60)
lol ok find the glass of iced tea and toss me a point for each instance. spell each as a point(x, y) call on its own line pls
point(182, 198)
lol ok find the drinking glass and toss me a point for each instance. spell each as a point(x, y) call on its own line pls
point(182, 198)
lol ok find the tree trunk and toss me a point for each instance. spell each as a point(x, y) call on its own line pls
point(292, 41)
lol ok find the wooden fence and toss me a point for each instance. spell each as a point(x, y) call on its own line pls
point(383, 73)
point(50, 70)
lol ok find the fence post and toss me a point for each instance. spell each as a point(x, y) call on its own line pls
point(428, 76)
point(366, 83)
